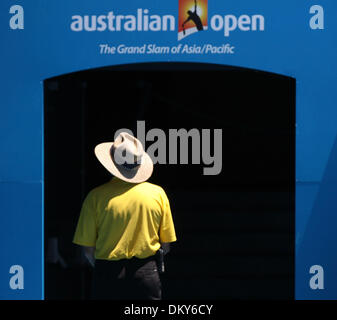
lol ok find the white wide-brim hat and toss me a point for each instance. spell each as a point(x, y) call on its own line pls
point(125, 158)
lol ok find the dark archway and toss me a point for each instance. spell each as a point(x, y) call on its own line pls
point(235, 230)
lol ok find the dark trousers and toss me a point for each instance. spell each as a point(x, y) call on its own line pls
point(126, 279)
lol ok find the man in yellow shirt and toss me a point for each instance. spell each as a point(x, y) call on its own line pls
point(123, 224)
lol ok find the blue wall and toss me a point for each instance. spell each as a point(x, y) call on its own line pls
point(47, 47)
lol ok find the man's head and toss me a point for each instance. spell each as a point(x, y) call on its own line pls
point(125, 158)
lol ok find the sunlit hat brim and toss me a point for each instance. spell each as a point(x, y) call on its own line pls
point(141, 174)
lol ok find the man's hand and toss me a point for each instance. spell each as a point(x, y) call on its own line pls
point(89, 253)
point(166, 247)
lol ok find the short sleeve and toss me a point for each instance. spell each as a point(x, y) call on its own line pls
point(166, 232)
point(86, 230)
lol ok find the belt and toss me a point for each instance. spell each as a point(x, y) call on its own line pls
point(133, 260)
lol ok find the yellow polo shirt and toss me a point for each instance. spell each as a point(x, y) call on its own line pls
point(124, 220)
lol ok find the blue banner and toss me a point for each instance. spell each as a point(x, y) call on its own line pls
point(44, 39)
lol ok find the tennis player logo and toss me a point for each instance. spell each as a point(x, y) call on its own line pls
point(192, 17)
